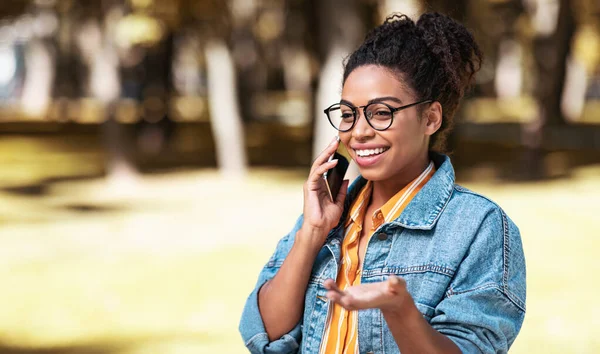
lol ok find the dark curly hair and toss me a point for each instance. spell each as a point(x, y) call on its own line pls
point(437, 57)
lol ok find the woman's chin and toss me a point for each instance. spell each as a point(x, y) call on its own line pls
point(372, 174)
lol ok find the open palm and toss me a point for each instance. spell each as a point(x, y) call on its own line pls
point(382, 295)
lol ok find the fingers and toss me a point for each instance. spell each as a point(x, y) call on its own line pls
point(385, 294)
point(395, 284)
point(348, 303)
point(336, 295)
point(339, 200)
point(319, 171)
point(321, 165)
point(325, 154)
point(332, 286)
point(343, 299)
point(315, 180)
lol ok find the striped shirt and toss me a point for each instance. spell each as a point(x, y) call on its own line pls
point(341, 335)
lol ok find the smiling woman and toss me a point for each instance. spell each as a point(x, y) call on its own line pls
point(403, 146)
point(404, 260)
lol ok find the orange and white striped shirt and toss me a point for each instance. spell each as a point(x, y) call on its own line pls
point(341, 331)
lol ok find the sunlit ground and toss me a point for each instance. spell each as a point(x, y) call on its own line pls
point(165, 265)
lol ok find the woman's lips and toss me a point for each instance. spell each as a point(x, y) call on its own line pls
point(368, 160)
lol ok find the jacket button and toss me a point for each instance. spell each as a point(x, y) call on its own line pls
point(381, 236)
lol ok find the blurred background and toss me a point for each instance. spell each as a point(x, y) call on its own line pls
point(152, 153)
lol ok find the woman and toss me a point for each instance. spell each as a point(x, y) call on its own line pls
point(404, 260)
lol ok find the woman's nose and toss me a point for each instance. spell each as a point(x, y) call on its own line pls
point(362, 129)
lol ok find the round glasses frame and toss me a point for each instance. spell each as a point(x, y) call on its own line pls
point(364, 109)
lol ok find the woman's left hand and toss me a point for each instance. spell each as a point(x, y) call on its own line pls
point(386, 295)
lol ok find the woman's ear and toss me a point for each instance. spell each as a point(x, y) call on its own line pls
point(433, 118)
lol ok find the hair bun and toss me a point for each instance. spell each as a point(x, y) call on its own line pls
point(393, 24)
point(436, 58)
point(454, 45)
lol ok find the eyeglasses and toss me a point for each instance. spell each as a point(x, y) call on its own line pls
point(379, 115)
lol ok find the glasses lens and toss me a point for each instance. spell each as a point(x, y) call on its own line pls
point(379, 115)
point(341, 117)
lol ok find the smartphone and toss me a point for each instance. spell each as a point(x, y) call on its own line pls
point(335, 176)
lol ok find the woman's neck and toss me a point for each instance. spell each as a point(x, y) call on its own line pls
point(384, 190)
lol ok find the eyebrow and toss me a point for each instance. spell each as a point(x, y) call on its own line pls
point(375, 100)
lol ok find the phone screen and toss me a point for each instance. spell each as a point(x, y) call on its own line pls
point(335, 176)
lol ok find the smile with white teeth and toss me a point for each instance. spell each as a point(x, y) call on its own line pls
point(370, 152)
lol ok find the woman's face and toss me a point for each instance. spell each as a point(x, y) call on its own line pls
point(392, 153)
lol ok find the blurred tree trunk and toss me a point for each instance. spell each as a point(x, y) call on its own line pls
point(339, 35)
point(551, 54)
point(226, 121)
point(551, 49)
point(40, 62)
point(213, 20)
point(410, 8)
point(67, 63)
point(584, 59)
point(95, 40)
point(37, 88)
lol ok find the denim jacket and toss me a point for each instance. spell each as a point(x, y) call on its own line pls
point(460, 255)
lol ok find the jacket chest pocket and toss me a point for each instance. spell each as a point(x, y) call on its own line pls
point(426, 283)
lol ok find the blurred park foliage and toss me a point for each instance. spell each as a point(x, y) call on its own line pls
point(145, 92)
point(138, 74)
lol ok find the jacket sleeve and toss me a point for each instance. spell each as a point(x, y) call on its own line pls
point(485, 306)
point(251, 326)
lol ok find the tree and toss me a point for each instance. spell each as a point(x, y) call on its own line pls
point(340, 30)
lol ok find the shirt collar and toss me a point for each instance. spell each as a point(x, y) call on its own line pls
point(390, 208)
point(358, 209)
point(426, 207)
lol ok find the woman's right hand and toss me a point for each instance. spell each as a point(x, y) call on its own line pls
point(320, 213)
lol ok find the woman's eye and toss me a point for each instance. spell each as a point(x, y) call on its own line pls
point(346, 115)
point(382, 114)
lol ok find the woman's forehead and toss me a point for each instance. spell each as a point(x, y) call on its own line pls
point(371, 81)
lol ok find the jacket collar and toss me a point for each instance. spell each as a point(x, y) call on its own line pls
point(425, 208)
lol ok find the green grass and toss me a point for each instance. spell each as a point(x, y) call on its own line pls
point(188, 301)
point(167, 268)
